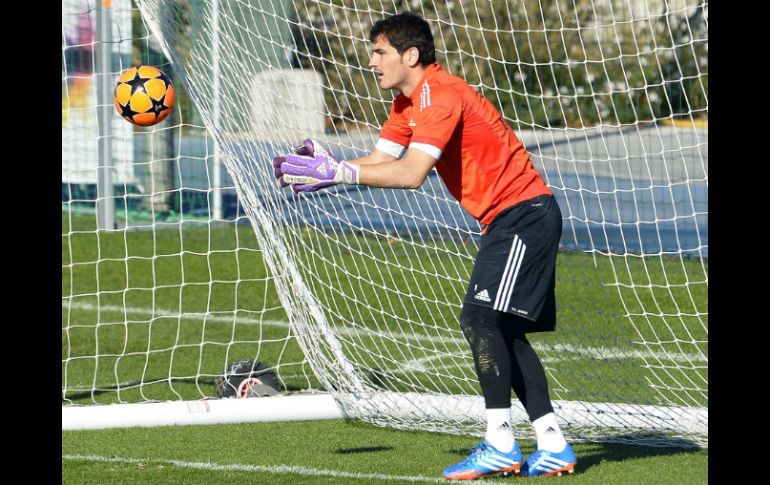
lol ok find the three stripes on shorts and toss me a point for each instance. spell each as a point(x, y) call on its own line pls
point(508, 281)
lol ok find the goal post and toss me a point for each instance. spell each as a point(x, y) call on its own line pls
point(202, 412)
point(354, 292)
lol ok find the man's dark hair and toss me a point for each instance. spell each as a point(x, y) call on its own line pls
point(404, 31)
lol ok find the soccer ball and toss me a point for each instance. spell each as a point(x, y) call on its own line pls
point(144, 95)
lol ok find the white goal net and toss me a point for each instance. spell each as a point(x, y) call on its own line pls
point(609, 96)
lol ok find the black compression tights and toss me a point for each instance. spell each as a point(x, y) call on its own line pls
point(505, 360)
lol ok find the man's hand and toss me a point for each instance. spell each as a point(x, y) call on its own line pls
point(311, 168)
point(304, 149)
point(277, 162)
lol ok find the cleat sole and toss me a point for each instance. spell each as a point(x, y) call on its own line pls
point(506, 472)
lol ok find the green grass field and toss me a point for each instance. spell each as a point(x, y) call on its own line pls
point(169, 308)
point(331, 452)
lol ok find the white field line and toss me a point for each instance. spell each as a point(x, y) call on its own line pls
point(583, 352)
point(273, 469)
point(418, 365)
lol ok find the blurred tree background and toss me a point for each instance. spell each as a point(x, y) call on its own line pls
point(546, 64)
point(543, 63)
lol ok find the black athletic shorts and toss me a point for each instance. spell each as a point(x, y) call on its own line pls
point(515, 269)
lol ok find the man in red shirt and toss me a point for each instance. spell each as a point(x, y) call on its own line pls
point(439, 120)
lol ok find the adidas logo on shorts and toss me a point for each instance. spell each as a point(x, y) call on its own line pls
point(483, 295)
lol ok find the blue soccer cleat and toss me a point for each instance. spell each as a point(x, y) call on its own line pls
point(485, 460)
point(547, 463)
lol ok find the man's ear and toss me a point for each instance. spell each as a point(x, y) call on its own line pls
point(413, 56)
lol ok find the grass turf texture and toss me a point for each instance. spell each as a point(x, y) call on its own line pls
point(194, 270)
point(331, 452)
point(167, 308)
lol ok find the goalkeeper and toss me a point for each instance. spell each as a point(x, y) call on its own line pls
point(438, 120)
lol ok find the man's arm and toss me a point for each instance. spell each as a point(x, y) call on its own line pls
point(312, 168)
point(377, 156)
point(406, 173)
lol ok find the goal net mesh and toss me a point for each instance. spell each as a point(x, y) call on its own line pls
point(609, 97)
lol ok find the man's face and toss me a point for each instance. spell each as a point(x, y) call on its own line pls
point(388, 65)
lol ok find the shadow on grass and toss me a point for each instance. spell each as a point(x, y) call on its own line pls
point(592, 454)
point(367, 449)
point(112, 389)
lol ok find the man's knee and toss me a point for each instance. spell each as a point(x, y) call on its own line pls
point(476, 317)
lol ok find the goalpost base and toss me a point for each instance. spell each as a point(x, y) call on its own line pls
point(215, 411)
point(388, 406)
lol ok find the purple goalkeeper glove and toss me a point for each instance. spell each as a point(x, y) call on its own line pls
point(311, 168)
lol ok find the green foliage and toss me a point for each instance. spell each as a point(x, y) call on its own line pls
point(565, 63)
point(543, 64)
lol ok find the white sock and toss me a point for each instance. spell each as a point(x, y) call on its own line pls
point(549, 436)
point(499, 430)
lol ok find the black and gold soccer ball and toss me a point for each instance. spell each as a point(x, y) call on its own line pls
point(144, 95)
